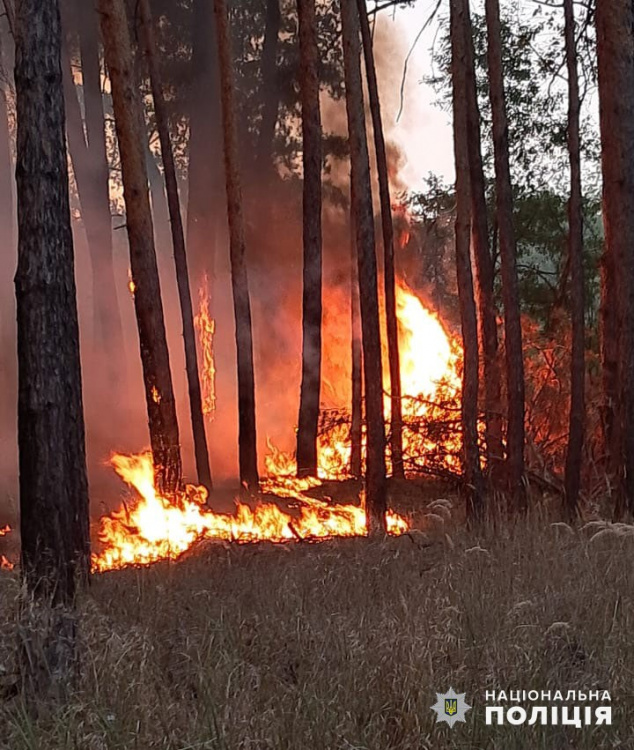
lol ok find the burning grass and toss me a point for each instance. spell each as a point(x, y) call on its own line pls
point(344, 644)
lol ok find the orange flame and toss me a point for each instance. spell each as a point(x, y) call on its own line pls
point(131, 284)
point(206, 326)
point(154, 527)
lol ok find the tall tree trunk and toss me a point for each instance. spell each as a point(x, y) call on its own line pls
point(366, 254)
point(159, 392)
point(615, 53)
point(178, 243)
point(270, 88)
point(311, 318)
point(206, 202)
point(53, 481)
point(484, 268)
point(575, 254)
point(356, 414)
point(6, 170)
point(90, 166)
point(98, 210)
point(470, 451)
point(508, 258)
point(396, 432)
point(239, 278)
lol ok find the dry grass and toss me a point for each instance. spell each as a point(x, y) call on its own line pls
point(343, 645)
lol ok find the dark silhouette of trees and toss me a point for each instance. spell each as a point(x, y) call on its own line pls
point(312, 202)
point(53, 482)
point(396, 421)
point(157, 377)
point(472, 475)
point(508, 257)
point(484, 270)
point(575, 252)
point(239, 277)
point(178, 243)
point(615, 55)
point(361, 189)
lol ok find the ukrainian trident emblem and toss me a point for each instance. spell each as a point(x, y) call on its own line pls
point(450, 707)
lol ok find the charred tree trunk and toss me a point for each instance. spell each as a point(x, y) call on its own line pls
point(361, 188)
point(615, 53)
point(508, 258)
point(270, 104)
point(356, 414)
point(159, 393)
point(180, 254)
point(239, 278)
point(311, 318)
point(396, 426)
point(53, 481)
point(470, 451)
point(484, 267)
point(205, 201)
point(575, 254)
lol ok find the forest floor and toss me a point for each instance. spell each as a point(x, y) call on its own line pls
point(343, 644)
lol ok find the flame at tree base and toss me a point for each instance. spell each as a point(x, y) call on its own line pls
point(155, 528)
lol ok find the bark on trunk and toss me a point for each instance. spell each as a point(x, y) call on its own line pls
point(6, 170)
point(206, 203)
point(356, 414)
point(311, 318)
point(575, 255)
point(615, 54)
point(159, 392)
point(484, 268)
point(472, 475)
point(54, 523)
point(180, 253)
point(270, 89)
point(508, 259)
point(366, 253)
point(239, 277)
point(396, 423)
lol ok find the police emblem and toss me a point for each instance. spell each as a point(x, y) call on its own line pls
point(450, 707)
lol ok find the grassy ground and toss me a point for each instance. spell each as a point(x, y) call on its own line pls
point(343, 645)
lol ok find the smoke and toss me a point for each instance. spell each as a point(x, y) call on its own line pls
point(115, 412)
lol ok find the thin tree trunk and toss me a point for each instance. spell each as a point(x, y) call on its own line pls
point(508, 258)
point(98, 213)
point(53, 481)
point(239, 278)
point(270, 88)
point(470, 451)
point(575, 254)
point(6, 170)
point(361, 188)
point(484, 269)
point(396, 426)
point(356, 415)
point(206, 202)
point(180, 254)
point(615, 54)
point(159, 392)
point(311, 318)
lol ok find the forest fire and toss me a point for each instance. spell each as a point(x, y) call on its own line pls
point(154, 527)
point(206, 326)
point(159, 528)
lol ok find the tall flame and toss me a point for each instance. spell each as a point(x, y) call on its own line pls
point(206, 326)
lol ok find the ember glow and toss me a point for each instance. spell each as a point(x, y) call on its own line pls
point(5, 564)
point(206, 327)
